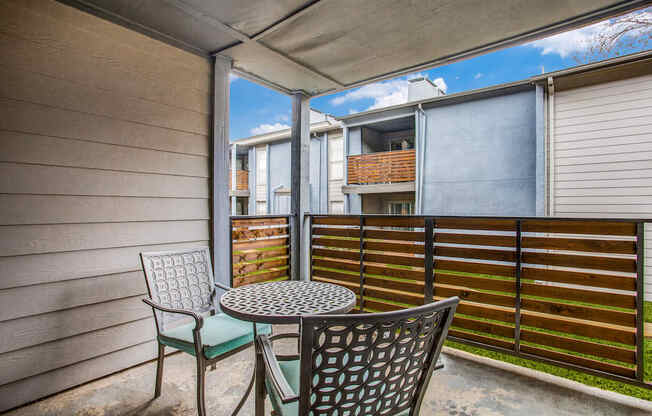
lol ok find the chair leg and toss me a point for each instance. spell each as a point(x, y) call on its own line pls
point(201, 377)
point(260, 384)
point(159, 370)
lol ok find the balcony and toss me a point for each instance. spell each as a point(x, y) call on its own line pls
point(241, 183)
point(382, 168)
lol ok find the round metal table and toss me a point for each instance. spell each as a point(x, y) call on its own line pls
point(282, 303)
point(285, 302)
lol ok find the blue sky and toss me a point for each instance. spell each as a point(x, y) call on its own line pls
point(256, 109)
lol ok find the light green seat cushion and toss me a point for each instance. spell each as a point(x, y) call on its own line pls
point(290, 370)
point(219, 335)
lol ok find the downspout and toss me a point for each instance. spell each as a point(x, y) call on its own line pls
point(234, 177)
point(551, 147)
point(326, 166)
point(346, 168)
point(267, 179)
point(274, 200)
point(417, 161)
point(420, 132)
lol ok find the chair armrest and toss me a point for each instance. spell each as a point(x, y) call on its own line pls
point(274, 372)
point(221, 286)
point(199, 320)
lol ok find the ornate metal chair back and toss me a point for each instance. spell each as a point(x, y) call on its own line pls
point(179, 279)
point(372, 364)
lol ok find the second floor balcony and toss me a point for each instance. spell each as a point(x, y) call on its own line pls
point(382, 167)
point(241, 180)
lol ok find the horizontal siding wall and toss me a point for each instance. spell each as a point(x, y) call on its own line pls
point(104, 153)
point(603, 154)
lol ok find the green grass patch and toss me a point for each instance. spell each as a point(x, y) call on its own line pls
point(602, 383)
point(647, 311)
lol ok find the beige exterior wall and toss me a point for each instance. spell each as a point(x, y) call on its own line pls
point(105, 145)
point(602, 154)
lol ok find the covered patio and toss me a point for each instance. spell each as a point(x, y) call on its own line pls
point(115, 141)
point(467, 386)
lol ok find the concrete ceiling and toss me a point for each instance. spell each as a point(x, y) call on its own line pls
point(324, 46)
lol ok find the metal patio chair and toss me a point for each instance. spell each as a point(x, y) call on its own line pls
point(182, 293)
point(356, 365)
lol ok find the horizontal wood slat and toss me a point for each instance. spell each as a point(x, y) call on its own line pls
point(580, 278)
point(394, 222)
point(580, 295)
point(479, 268)
point(254, 255)
point(333, 242)
point(258, 254)
point(483, 326)
point(336, 220)
point(394, 235)
point(476, 253)
point(479, 265)
point(578, 327)
point(579, 244)
point(475, 224)
point(337, 232)
point(410, 248)
point(580, 312)
point(474, 295)
point(584, 362)
point(382, 167)
point(579, 227)
point(481, 339)
point(581, 346)
point(476, 239)
point(476, 282)
point(584, 262)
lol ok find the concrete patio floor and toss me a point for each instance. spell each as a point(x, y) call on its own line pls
point(464, 387)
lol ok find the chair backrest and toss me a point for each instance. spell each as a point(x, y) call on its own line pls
point(371, 364)
point(179, 279)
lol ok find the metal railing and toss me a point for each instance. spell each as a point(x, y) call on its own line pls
point(563, 291)
point(382, 167)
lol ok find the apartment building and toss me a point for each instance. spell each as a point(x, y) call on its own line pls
point(260, 182)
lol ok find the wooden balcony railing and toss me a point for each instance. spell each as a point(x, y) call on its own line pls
point(567, 292)
point(241, 180)
point(260, 249)
point(383, 167)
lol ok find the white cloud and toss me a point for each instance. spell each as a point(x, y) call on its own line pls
point(478, 75)
point(268, 128)
point(385, 93)
point(579, 40)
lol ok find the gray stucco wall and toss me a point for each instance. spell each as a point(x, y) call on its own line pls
point(481, 157)
point(279, 175)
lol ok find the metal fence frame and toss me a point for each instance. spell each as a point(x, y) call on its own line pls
point(429, 266)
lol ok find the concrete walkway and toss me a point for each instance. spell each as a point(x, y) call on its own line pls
point(464, 387)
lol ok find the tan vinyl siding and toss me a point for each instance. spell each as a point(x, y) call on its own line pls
point(603, 154)
point(104, 137)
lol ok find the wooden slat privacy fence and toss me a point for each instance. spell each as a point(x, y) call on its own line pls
point(241, 180)
point(260, 249)
point(382, 167)
point(567, 292)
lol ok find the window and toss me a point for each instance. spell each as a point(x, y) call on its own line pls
point(400, 208)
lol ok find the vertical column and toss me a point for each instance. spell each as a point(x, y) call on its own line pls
point(517, 315)
point(220, 209)
point(429, 261)
point(640, 288)
point(361, 304)
point(234, 179)
point(300, 188)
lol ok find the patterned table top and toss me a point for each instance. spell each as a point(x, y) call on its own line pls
point(285, 302)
